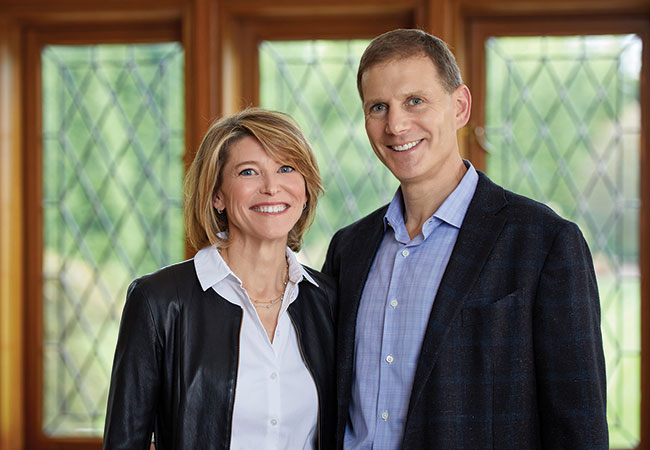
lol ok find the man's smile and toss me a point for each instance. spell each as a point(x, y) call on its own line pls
point(404, 147)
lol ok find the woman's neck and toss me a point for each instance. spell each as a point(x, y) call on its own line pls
point(261, 266)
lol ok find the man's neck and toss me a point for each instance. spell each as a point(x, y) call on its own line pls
point(423, 198)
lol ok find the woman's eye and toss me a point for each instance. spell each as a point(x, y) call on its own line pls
point(286, 169)
point(415, 101)
point(247, 172)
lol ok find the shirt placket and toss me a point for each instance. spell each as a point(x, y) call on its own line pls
point(273, 383)
point(390, 362)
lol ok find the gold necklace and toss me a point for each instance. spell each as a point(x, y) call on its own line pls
point(269, 305)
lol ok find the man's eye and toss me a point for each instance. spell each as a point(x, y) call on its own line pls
point(415, 101)
point(286, 169)
point(377, 108)
point(247, 172)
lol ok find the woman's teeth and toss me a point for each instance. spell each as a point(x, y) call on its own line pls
point(270, 208)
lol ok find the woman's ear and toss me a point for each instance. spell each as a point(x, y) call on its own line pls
point(217, 202)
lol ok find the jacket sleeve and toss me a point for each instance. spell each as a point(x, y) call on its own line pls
point(330, 266)
point(135, 379)
point(569, 357)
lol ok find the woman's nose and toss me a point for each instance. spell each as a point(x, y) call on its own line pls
point(270, 185)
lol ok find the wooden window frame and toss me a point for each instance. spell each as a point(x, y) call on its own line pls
point(36, 40)
point(243, 26)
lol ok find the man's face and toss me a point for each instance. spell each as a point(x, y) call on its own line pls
point(411, 120)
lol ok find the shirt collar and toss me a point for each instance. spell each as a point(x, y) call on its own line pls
point(452, 210)
point(211, 269)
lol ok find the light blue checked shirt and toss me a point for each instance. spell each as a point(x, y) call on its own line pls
point(393, 316)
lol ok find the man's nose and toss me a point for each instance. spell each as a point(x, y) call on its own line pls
point(396, 121)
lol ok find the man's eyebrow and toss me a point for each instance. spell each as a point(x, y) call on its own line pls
point(404, 95)
point(370, 102)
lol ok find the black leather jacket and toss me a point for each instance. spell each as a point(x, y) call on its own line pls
point(176, 362)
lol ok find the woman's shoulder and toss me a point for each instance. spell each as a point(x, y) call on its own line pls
point(323, 280)
point(166, 280)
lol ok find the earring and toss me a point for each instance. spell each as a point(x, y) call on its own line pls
point(219, 211)
point(304, 207)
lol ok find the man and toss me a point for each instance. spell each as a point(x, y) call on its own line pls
point(468, 315)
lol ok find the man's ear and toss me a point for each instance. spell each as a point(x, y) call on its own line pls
point(463, 104)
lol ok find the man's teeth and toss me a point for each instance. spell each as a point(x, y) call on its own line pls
point(270, 208)
point(410, 145)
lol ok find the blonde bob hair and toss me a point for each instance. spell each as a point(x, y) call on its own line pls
point(280, 137)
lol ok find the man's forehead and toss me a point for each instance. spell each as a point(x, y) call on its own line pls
point(408, 86)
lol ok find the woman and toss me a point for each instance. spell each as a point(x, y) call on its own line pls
point(234, 348)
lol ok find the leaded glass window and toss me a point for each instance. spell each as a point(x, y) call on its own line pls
point(113, 140)
point(315, 82)
point(563, 127)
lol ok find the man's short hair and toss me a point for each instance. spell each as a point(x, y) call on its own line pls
point(405, 43)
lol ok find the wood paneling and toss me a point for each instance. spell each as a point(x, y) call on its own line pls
point(11, 237)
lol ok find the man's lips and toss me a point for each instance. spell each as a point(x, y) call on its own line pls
point(405, 147)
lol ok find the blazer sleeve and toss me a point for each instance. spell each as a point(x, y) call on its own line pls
point(569, 359)
point(135, 379)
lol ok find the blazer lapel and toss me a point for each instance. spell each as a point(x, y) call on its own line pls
point(478, 233)
point(359, 254)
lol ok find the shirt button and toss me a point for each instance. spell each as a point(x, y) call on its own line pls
point(389, 359)
point(384, 415)
point(274, 422)
point(393, 303)
point(274, 376)
point(405, 253)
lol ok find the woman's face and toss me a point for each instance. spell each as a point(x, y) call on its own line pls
point(262, 198)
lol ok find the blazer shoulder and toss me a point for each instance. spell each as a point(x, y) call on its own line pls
point(518, 208)
point(524, 209)
point(358, 228)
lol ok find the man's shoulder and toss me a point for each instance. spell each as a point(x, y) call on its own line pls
point(518, 208)
point(360, 227)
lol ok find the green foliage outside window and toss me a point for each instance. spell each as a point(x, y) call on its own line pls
point(113, 142)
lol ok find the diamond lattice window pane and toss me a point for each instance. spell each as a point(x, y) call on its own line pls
point(563, 127)
point(113, 141)
point(315, 82)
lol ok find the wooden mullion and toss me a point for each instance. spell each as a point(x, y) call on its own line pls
point(33, 185)
point(644, 238)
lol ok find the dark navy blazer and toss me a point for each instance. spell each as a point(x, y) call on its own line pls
point(512, 356)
